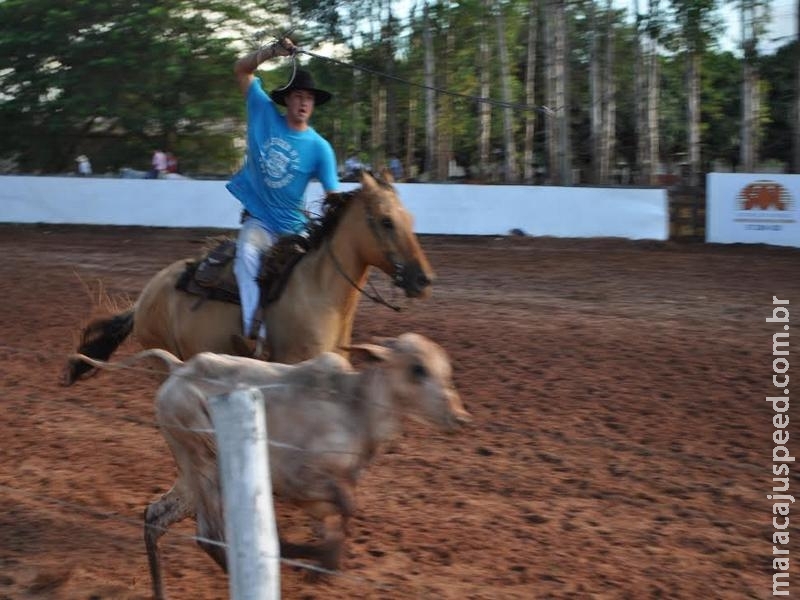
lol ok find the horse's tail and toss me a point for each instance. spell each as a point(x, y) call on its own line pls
point(99, 340)
point(169, 359)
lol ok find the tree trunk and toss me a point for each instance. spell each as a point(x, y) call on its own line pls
point(557, 134)
point(377, 140)
point(411, 147)
point(356, 94)
point(653, 91)
point(551, 122)
point(485, 109)
point(747, 147)
point(647, 88)
point(562, 93)
point(510, 171)
point(596, 98)
point(337, 142)
point(608, 146)
point(444, 118)
point(392, 133)
point(529, 174)
point(695, 20)
point(640, 91)
point(355, 111)
point(430, 96)
point(693, 116)
point(378, 134)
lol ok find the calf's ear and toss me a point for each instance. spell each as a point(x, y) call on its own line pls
point(369, 352)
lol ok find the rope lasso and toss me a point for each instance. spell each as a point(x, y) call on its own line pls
point(545, 110)
point(295, 50)
point(292, 54)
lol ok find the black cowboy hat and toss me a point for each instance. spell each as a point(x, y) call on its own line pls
point(302, 80)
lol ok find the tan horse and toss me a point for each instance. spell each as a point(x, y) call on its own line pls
point(366, 227)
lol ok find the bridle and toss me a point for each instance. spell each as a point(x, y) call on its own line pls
point(399, 267)
point(375, 296)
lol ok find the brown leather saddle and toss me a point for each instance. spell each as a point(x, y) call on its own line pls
point(212, 278)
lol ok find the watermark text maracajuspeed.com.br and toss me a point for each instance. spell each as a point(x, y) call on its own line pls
point(781, 457)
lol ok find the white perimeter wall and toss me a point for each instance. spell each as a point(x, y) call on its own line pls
point(728, 221)
point(437, 208)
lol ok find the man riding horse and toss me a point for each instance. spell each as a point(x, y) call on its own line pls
point(283, 154)
point(313, 307)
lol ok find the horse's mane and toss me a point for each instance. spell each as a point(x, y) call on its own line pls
point(321, 226)
point(288, 250)
point(285, 253)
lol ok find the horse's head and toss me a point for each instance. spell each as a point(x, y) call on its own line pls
point(388, 240)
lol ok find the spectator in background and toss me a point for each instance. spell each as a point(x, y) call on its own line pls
point(352, 166)
point(158, 164)
point(83, 166)
point(172, 163)
point(396, 167)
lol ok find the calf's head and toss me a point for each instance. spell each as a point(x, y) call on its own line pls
point(420, 378)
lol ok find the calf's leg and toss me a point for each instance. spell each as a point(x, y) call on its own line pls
point(158, 517)
point(210, 538)
point(338, 503)
point(327, 553)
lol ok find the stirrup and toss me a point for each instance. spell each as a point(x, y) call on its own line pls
point(260, 345)
point(258, 334)
point(255, 330)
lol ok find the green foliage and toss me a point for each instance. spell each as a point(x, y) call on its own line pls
point(321, 17)
point(698, 23)
point(672, 109)
point(115, 78)
point(779, 70)
point(721, 107)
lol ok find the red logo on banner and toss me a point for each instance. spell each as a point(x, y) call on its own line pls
point(764, 195)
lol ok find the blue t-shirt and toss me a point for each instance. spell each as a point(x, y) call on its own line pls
point(278, 165)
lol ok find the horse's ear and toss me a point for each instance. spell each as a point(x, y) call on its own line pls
point(387, 176)
point(369, 352)
point(367, 180)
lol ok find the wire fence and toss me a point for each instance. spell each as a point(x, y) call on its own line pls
point(125, 368)
point(75, 510)
point(227, 387)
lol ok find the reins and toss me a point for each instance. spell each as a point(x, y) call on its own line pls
point(374, 296)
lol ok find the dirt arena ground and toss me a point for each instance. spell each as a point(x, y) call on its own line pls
point(620, 447)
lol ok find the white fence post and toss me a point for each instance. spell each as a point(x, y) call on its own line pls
point(250, 530)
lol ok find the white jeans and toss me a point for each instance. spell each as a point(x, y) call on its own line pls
point(253, 242)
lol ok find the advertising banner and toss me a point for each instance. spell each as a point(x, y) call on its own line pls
point(437, 208)
point(753, 208)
